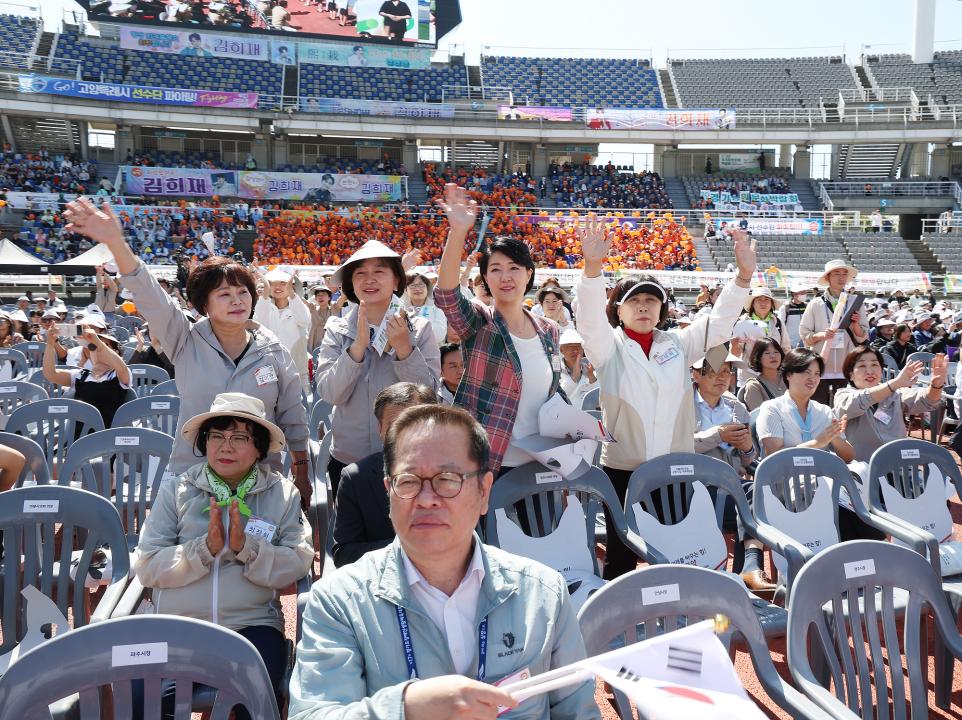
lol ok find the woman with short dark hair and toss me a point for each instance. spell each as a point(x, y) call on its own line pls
point(876, 409)
point(512, 357)
point(224, 351)
point(900, 346)
point(766, 360)
point(643, 371)
point(794, 419)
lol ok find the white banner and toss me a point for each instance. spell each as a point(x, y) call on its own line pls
point(738, 161)
point(193, 44)
point(36, 200)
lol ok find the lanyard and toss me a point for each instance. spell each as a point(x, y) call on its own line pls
point(804, 425)
point(402, 621)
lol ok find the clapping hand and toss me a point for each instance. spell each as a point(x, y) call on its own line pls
point(908, 374)
point(832, 432)
point(939, 369)
point(398, 335)
point(410, 260)
point(362, 337)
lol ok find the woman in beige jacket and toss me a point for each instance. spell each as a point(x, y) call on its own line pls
point(226, 536)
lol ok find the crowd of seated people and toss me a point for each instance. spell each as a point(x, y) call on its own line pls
point(492, 190)
point(592, 186)
point(44, 172)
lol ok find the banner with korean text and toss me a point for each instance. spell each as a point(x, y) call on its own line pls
point(364, 55)
point(377, 108)
point(193, 44)
point(532, 112)
point(256, 185)
point(135, 93)
point(659, 119)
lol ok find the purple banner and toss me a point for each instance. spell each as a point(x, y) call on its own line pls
point(532, 112)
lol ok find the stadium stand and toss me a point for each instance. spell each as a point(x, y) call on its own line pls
point(97, 62)
point(39, 172)
point(487, 189)
point(378, 83)
point(786, 252)
point(768, 83)
point(208, 73)
point(575, 81)
point(600, 186)
point(19, 35)
point(942, 78)
point(773, 182)
point(947, 249)
point(883, 252)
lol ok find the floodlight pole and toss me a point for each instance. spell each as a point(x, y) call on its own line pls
point(923, 31)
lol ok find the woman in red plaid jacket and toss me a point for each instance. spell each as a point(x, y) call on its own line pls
point(512, 360)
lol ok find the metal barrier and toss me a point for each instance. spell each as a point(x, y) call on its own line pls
point(875, 188)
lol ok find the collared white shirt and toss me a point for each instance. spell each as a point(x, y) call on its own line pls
point(455, 615)
point(711, 417)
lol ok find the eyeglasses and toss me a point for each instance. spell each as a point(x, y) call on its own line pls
point(445, 484)
point(235, 440)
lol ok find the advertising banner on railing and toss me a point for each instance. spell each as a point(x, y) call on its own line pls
point(135, 93)
point(777, 226)
point(190, 43)
point(257, 185)
point(378, 108)
point(532, 112)
point(745, 196)
point(36, 200)
point(320, 187)
point(638, 119)
point(366, 55)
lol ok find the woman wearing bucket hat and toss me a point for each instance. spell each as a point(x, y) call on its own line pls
point(646, 393)
point(815, 328)
point(511, 357)
point(224, 351)
point(282, 311)
point(374, 344)
point(761, 307)
point(104, 385)
point(228, 534)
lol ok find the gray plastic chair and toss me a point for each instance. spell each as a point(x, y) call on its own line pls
point(904, 464)
point(791, 473)
point(320, 513)
point(615, 614)
point(158, 412)
point(16, 393)
point(83, 661)
point(21, 366)
point(858, 581)
point(54, 423)
point(124, 465)
point(670, 505)
point(168, 387)
point(890, 369)
point(320, 413)
point(121, 333)
point(542, 502)
point(934, 417)
point(592, 400)
point(35, 470)
point(144, 377)
point(128, 322)
point(30, 519)
point(52, 389)
point(33, 352)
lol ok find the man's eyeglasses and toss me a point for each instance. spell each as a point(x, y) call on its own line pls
point(235, 440)
point(445, 484)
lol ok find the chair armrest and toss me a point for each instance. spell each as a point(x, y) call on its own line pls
point(132, 597)
point(642, 549)
point(794, 552)
point(106, 608)
point(801, 706)
point(303, 593)
point(922, 541)
point(830, 705)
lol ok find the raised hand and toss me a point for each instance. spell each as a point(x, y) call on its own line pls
point(940, 369)
point(410, 260)
point(595, 239)
point(460, 210)
point(99, 224)
point(746, 256)
point(909, 374)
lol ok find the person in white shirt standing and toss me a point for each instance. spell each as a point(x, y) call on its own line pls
point(288, 317)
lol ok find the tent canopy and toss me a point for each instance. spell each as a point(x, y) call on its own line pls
point(11, 254)
point(97, 255)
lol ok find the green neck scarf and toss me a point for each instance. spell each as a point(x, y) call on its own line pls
point(223, 493)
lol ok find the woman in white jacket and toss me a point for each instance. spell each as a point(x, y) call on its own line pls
point(226, 536)
point(643, 372)
point(284, 313)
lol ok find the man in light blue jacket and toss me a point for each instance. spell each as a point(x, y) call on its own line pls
point(428, 626)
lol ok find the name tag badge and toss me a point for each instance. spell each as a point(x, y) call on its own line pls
point(522, 674)
point(265, 374)
point(258, 527)
point(556, 363)
point(666, 356)
point(882, 416)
